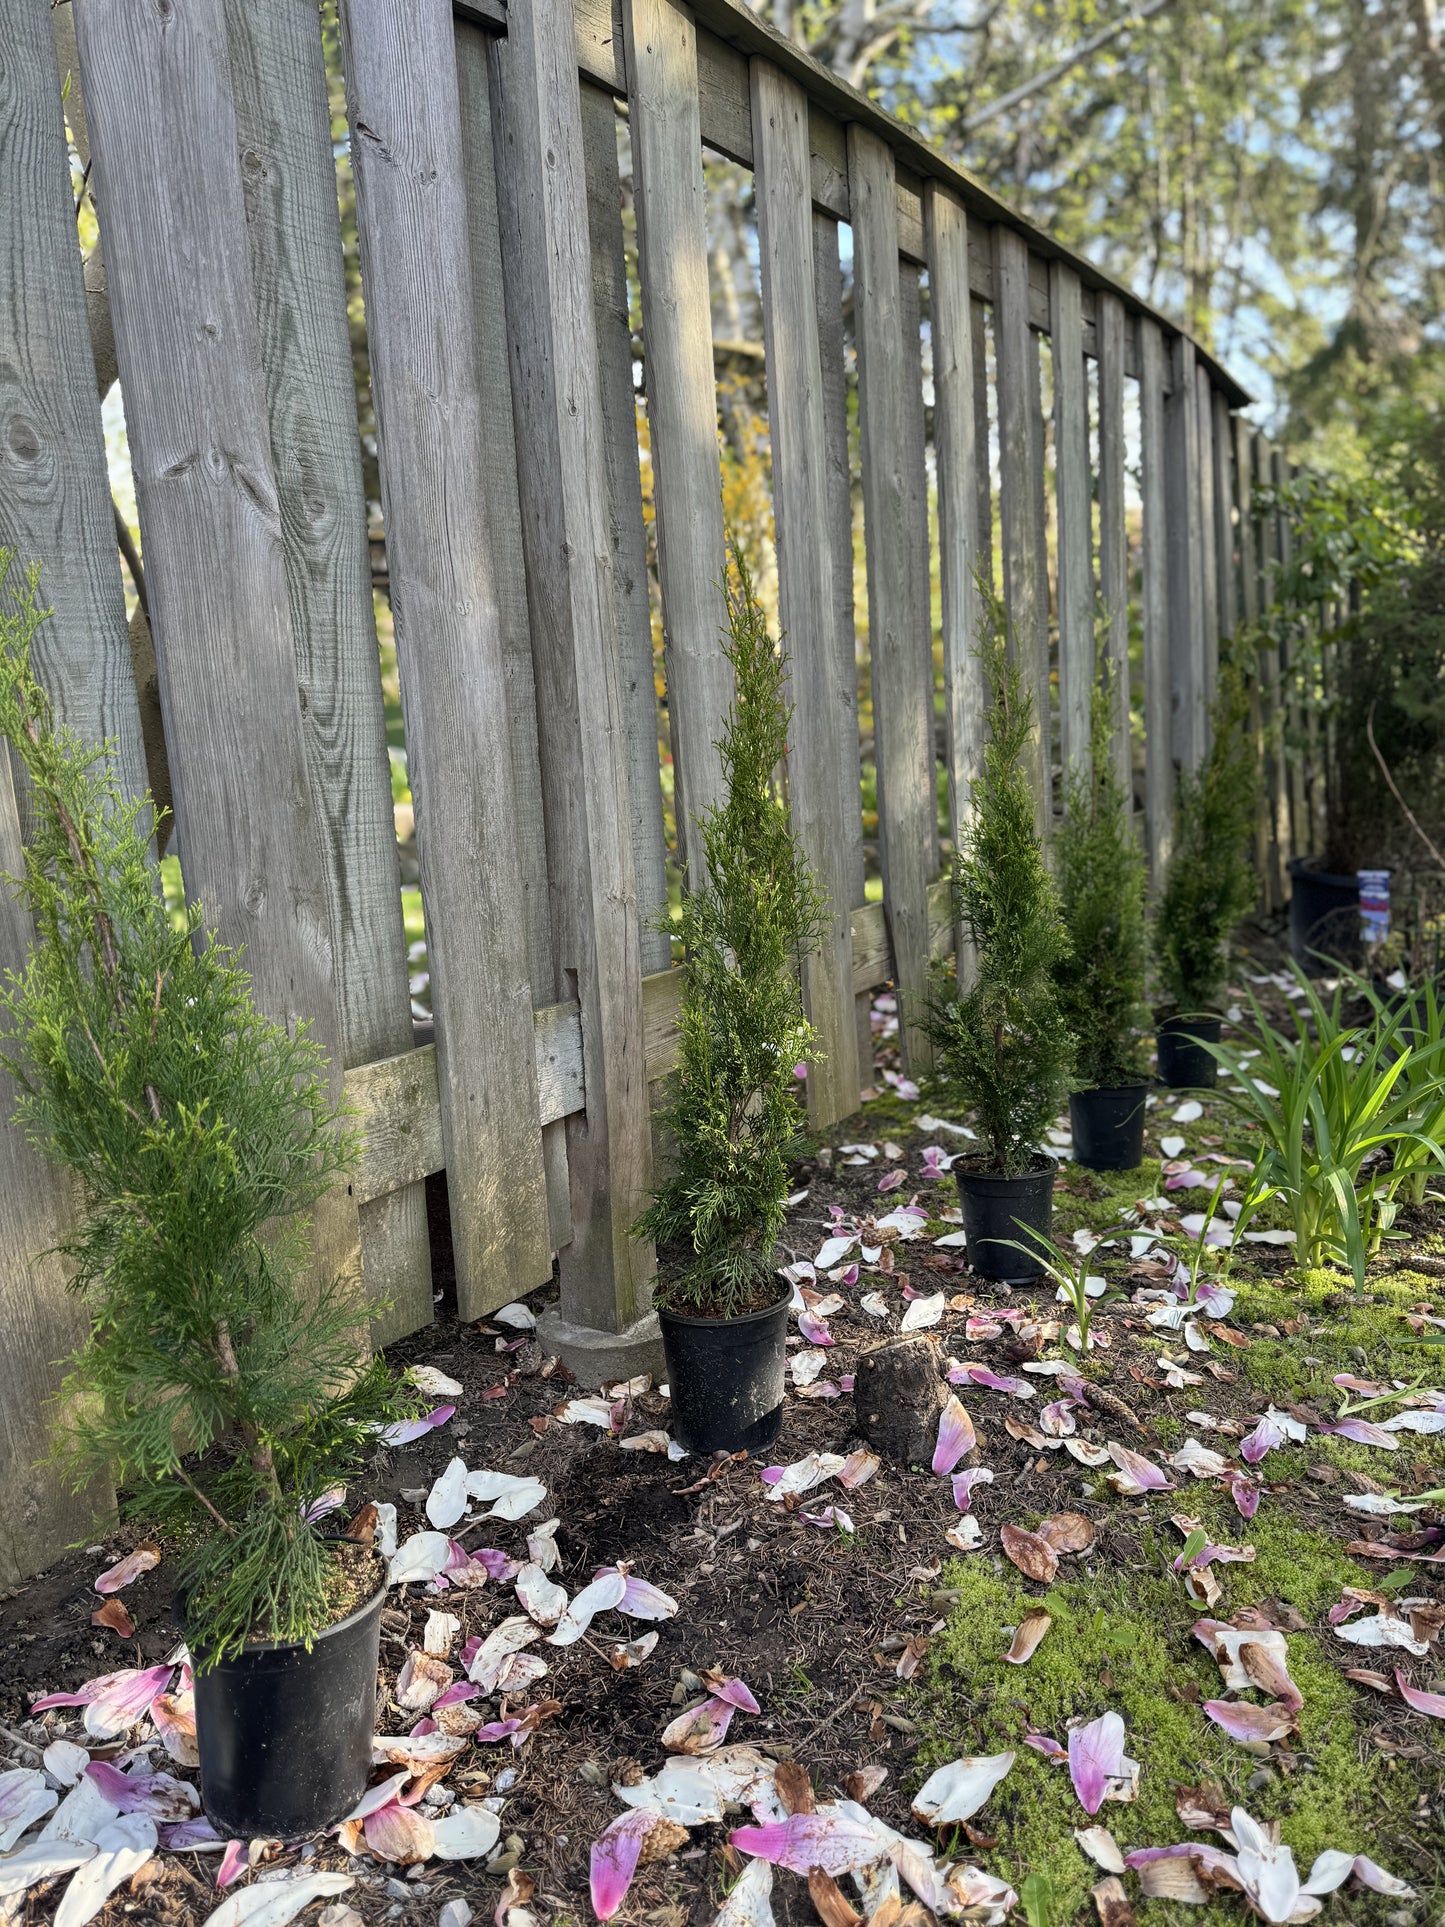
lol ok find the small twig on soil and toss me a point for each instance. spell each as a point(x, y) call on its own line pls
point(844, 1706)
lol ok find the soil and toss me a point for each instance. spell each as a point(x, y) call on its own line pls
point(815, 1620)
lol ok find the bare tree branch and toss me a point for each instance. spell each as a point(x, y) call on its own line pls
point(1070, 60)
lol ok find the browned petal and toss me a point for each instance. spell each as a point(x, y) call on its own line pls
point(1033, 1556)
point(1269, 1676)
point(863, 1783)
point(1203, 1807)
point(1067, 1532)
point(1031, 1629)
point(1426, 1621)
point(1378, 1682)
point(911, 1657)
point(828, 1900)
point(363, 1525)
point(1017, 1428)
point(114, 1615)
point(795, 1789)
point(1113, 1903)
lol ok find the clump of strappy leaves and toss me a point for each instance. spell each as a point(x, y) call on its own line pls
point(1001, 1047)
point(1209, 885)
point(751, 912)
point(1102, 878)
point(224, 1398)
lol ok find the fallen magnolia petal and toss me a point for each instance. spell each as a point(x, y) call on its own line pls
point(407, 1431)
point(1067, 1532)
point(804, 1366)
point(831, 1518)
point(586, 1411)
point(399, 1833)
point(1028, 1635)
point(814, 1329)
point(1265, 1868)
point(991, 1381)
point(422, 1557)
point(435, 1384)
point(982, 1896)
point(616, 1853)
point(750, 1900)
point(701, 1728)
point(235, 1861)
point(1056, 1420)
point(439, 1634)
point(1096, 1756)
point(1422, 1702)
point(1245, 1492)
point(1381, 1630)
point(736, 1692)
point(802, 1475)
point(500, 1645)
point(191, 1836)
point(640, 1598)
point(41, 1860)
point(864, 1782)
point(1033, 1556)
point(1270, 1673)
point(1101, 1847)
point(421, 1679)
point(1428, 1421)
point(858, 1468)
point(115, 1578)
point(967, 1535)
point(24, 1799)
point(515, 1497)
point(830, 1839)
point(1197, 1459)
point(447, 1500)
point(1380, 1504)
point(956, 1437)
point(465, 1832)
point(876, 1306)
point(603, 1595)
point(693, 1790)
point(964, 1482)
point(158, 1795)
point(416, 1752)
point(540, 1597)
point(1247, 1723)
point(1138, 1473)
point(956, 1792)
point(517, 1316)
point(276, 1902)
point(1371, 1874)
point(64, 1761)
point(923, 1312)
point(1050, 1748)
point(542, 1545)
point(1087, 1453)
point(1362, 1432)
point(121, 1851)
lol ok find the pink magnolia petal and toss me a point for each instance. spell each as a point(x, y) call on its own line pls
point(1431, 1703)
point(964, 1482)
point(457, 1694)
point(1142, 1471)
point(735, 1692)
point(234, 1862)
point(1057, 1421)
point(1264, 1438)
point(615, 1854)
point(829, 1840)
point(376, 1797)
point(497, 1730)
point(1096, 1756)
point(115, 1578)
point(402, 1834)
point(1244, 1491)
point(112, 1688)
point(190, 1833)
point(1371, 1874)
point(407, 1430)
point(814, 1329)
point(643, 1600)
point(956, 1437)
point(993, 1381)
point(1041, 1743)
point(1363, 1433)
point(1246, 1722)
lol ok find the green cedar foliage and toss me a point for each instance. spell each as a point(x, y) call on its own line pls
point(224, 1402)
point(1102, 878)
point(750, 915)
point(1209, 884)
point(1001, 1047)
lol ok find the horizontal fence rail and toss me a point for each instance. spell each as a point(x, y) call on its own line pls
point(525, 306)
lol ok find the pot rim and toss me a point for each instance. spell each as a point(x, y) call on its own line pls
point(1113, 1090)
point(715, 1324)
point(1171, 1020)
point(1049, 1170)
point(1313, 868)
point(254, 1648)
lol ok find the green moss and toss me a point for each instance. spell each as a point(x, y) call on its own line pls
point(1121, 1641)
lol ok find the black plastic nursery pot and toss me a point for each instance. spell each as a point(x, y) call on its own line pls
point(1107, 1126)
point(1184, 1063)
point(1324, 916)
point(284, 1735)
point(998, 1209)
point(726, 1377)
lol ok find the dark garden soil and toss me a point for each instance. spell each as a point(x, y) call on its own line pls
point(819, 1621)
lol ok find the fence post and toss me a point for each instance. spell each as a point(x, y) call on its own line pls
point(163, 131)
point(681, 390)
point(1020, 451)
point(956, 452)
point(1077, 667)
point(1158, 735)
point(1224, 517)
point(288, 175)
point(604, 1326)
point(1209, 552)
point(1186, 558)
point(1113, 531)
point(1273, 720)
point(807, 604)
point(902, 713)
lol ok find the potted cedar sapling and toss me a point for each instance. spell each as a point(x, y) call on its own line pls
point(733, 1121)
point(226, 1402)
point(1101, 983)
point(1001, 1047)
point(1209, 885)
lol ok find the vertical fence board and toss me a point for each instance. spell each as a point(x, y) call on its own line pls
point(1227, 591)
point(1292, 719)
point(1158, 745)
point(631, 603)
point(1272, 729)
point(1025, 585)
point(1209, 537)
point(956, 455)
point(902, 721)
point(983, 469)
point(503, 520)
point(1186, 557)
point(920, 574)
point(163, 131)
point(1076, 515)
point(1113, 531)
point(557, 409)
point(1249, 611)
point(55, 505)
point(404, 107)
point(681, 388)
point(807, 604)
point(288, 175)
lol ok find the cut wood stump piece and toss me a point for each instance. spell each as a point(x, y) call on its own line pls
point(899, 1390)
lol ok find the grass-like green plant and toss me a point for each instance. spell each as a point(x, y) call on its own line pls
point(1328, 1104)
point(749, 916)
point(1102, 878)
point(1209, 882)
point(224, 1400)
point(1421, 1024)
point(1070, 1272)
point(1001, 1046)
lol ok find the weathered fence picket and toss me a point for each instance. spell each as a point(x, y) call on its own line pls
point(530, 378)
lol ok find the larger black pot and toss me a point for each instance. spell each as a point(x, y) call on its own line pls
point(1184, 1063)
point(1324, 916)
point(726, 1378)
point(998, 1209)
point(1107, 1126)
point(284, 1734)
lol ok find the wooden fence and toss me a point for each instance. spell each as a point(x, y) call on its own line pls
point(502, 359)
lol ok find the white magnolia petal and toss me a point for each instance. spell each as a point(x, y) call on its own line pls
point(750, 1904)
point(277, 1901)
point(465, 1832)
point(24, 1799)
point(957, 1791)
point(603, 1595)
point(122, 1850)
point(447, 1500)
point(542, 1598)
point(41, 1859)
